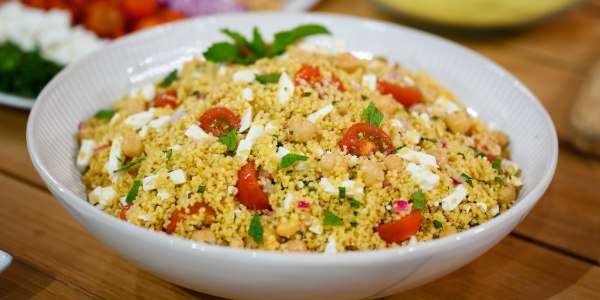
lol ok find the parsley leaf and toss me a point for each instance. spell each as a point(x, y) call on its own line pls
point(342, 192)
point(463, 156)
point(418, 200)
point(499, 180)
point(225, 53)
point(256, 229)
point(331, 219)
point(130, 164)
point(229, 139)
point(169, 79)
point(398, 149)
point(496, 165)
point(239, 39)
point(201, 189)
point(285, 38)
point(306, 94)
point(269, 78)
point(429, 139)
point(258, 46)
point(105, 114)
point(290, 159)
point(355, 203)
point(437, 224)
point(133, 192)
point(481, 154)
point(372, 115)
point(467, 178)
point(168, 153)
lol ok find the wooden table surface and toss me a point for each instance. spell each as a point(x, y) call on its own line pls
point(554, 253)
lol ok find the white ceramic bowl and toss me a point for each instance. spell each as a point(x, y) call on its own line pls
point(96, 81)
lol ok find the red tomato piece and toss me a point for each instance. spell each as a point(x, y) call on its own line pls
point(137, 9)
point(105, 19)
point(337, 82)
point(162, 17)
point(219, 121)
point(310, 74)
point(180, 215)
point(250, 193)
point(400, 230)
point(123, 213)
point(364, 139)
point(407, 96)
point(167, 98)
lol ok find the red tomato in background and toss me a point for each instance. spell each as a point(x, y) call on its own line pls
point(219, 121)
point(138, 9)
point(407, 96)
point(180, 215)
point(250, 193)
point(105, 19)
point(364, 139)
point(400, 230)
point(167, 98)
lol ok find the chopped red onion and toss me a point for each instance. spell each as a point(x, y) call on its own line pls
point(386, 184)
point(100, 148)
point(203, 7)
point(303, 204)
point(457, 181)
point(401, 205)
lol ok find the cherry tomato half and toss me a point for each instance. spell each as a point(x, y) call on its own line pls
point(167, 98)
point(180, 215)
point(312, 75)
point(364, 139)
point(400, 230)
point(137, 9)
point(407, 96)
point(105, 19)
point(123, 213)
point(219, 121)
point(250, 194)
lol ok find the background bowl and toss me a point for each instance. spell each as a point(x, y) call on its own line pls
point(98, 80)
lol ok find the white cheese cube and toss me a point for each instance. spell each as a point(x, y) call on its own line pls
point(140, 119)
point(163, 195)
point(286, 88)
point(177, 176)
point(246, 120)
point(196, 132)
point(148, 183)
point(143, 132)
point(314, 117)
point(102, 196)
point(287, 202)
point(245, 76)
point(495, 210)
point(245, 145)
point(417, 157)
point(148, 92)
point(331, 247)
point(114, 156)
point(369, 82)
point(85, 153)
point(144, 218)
point(413, 136)
point(114, 119)
point(159, 123)
point(316, 228)
point(422, 176)
point(452, 201)
point(281, 152)
point(247, 94)
point(482, 205)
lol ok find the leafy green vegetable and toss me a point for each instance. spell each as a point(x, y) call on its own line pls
point(169, 79)
point(499, 180)
point(133, 192)
point(355, 203)
point(306, 94)
point(418, 200)
point(496, 164)
point(429, 140)
point(269, 78)
point(481, 154)
point(463, 156)
point(256, 229)
point(130, 164)
point(201, 189)
point(437, 224)
point(168, 153)
point(24, 73)
point(372, 115)
point(398, 149)
point(229, 139)
point(289, 159)
point(467, 178)
point(104, 114)
point(247, 52)
point(331, 219)
point(342, 192)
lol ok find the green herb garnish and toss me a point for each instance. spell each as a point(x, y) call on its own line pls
point(418, 200)
point(306, 94)
point(463, 156)
point(467, 178)
point(429, 140)
point(105, 114)
point(133, 192)
point(372, 115)
point(331, 219)
point(247, 52)
point(201, 189)
point(496, 164)
point(342, 192)
point(355, 203)
point(130, 164)
point(499, 180)
point(270, 78)
point(289, 159)
point(168, 153)
point(398, 149)
point(437, 224)
point(256, 229)
point(229, 139)
point(169, 79)
point(481, 154)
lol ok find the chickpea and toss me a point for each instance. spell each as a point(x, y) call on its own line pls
point(508, 194)
point(458, 122)
point(136, 105)
point(287, 229)
point(300, 55)
point(392, 162)
point(450, 230)
point(133, 146)
point(330, 162)
point(347, 62)
point(386, 104)
point(296, 246)
point(372, 173)
point(205, 236)
point(302, 130)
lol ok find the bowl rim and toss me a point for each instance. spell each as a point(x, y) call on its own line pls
point(83, 207)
